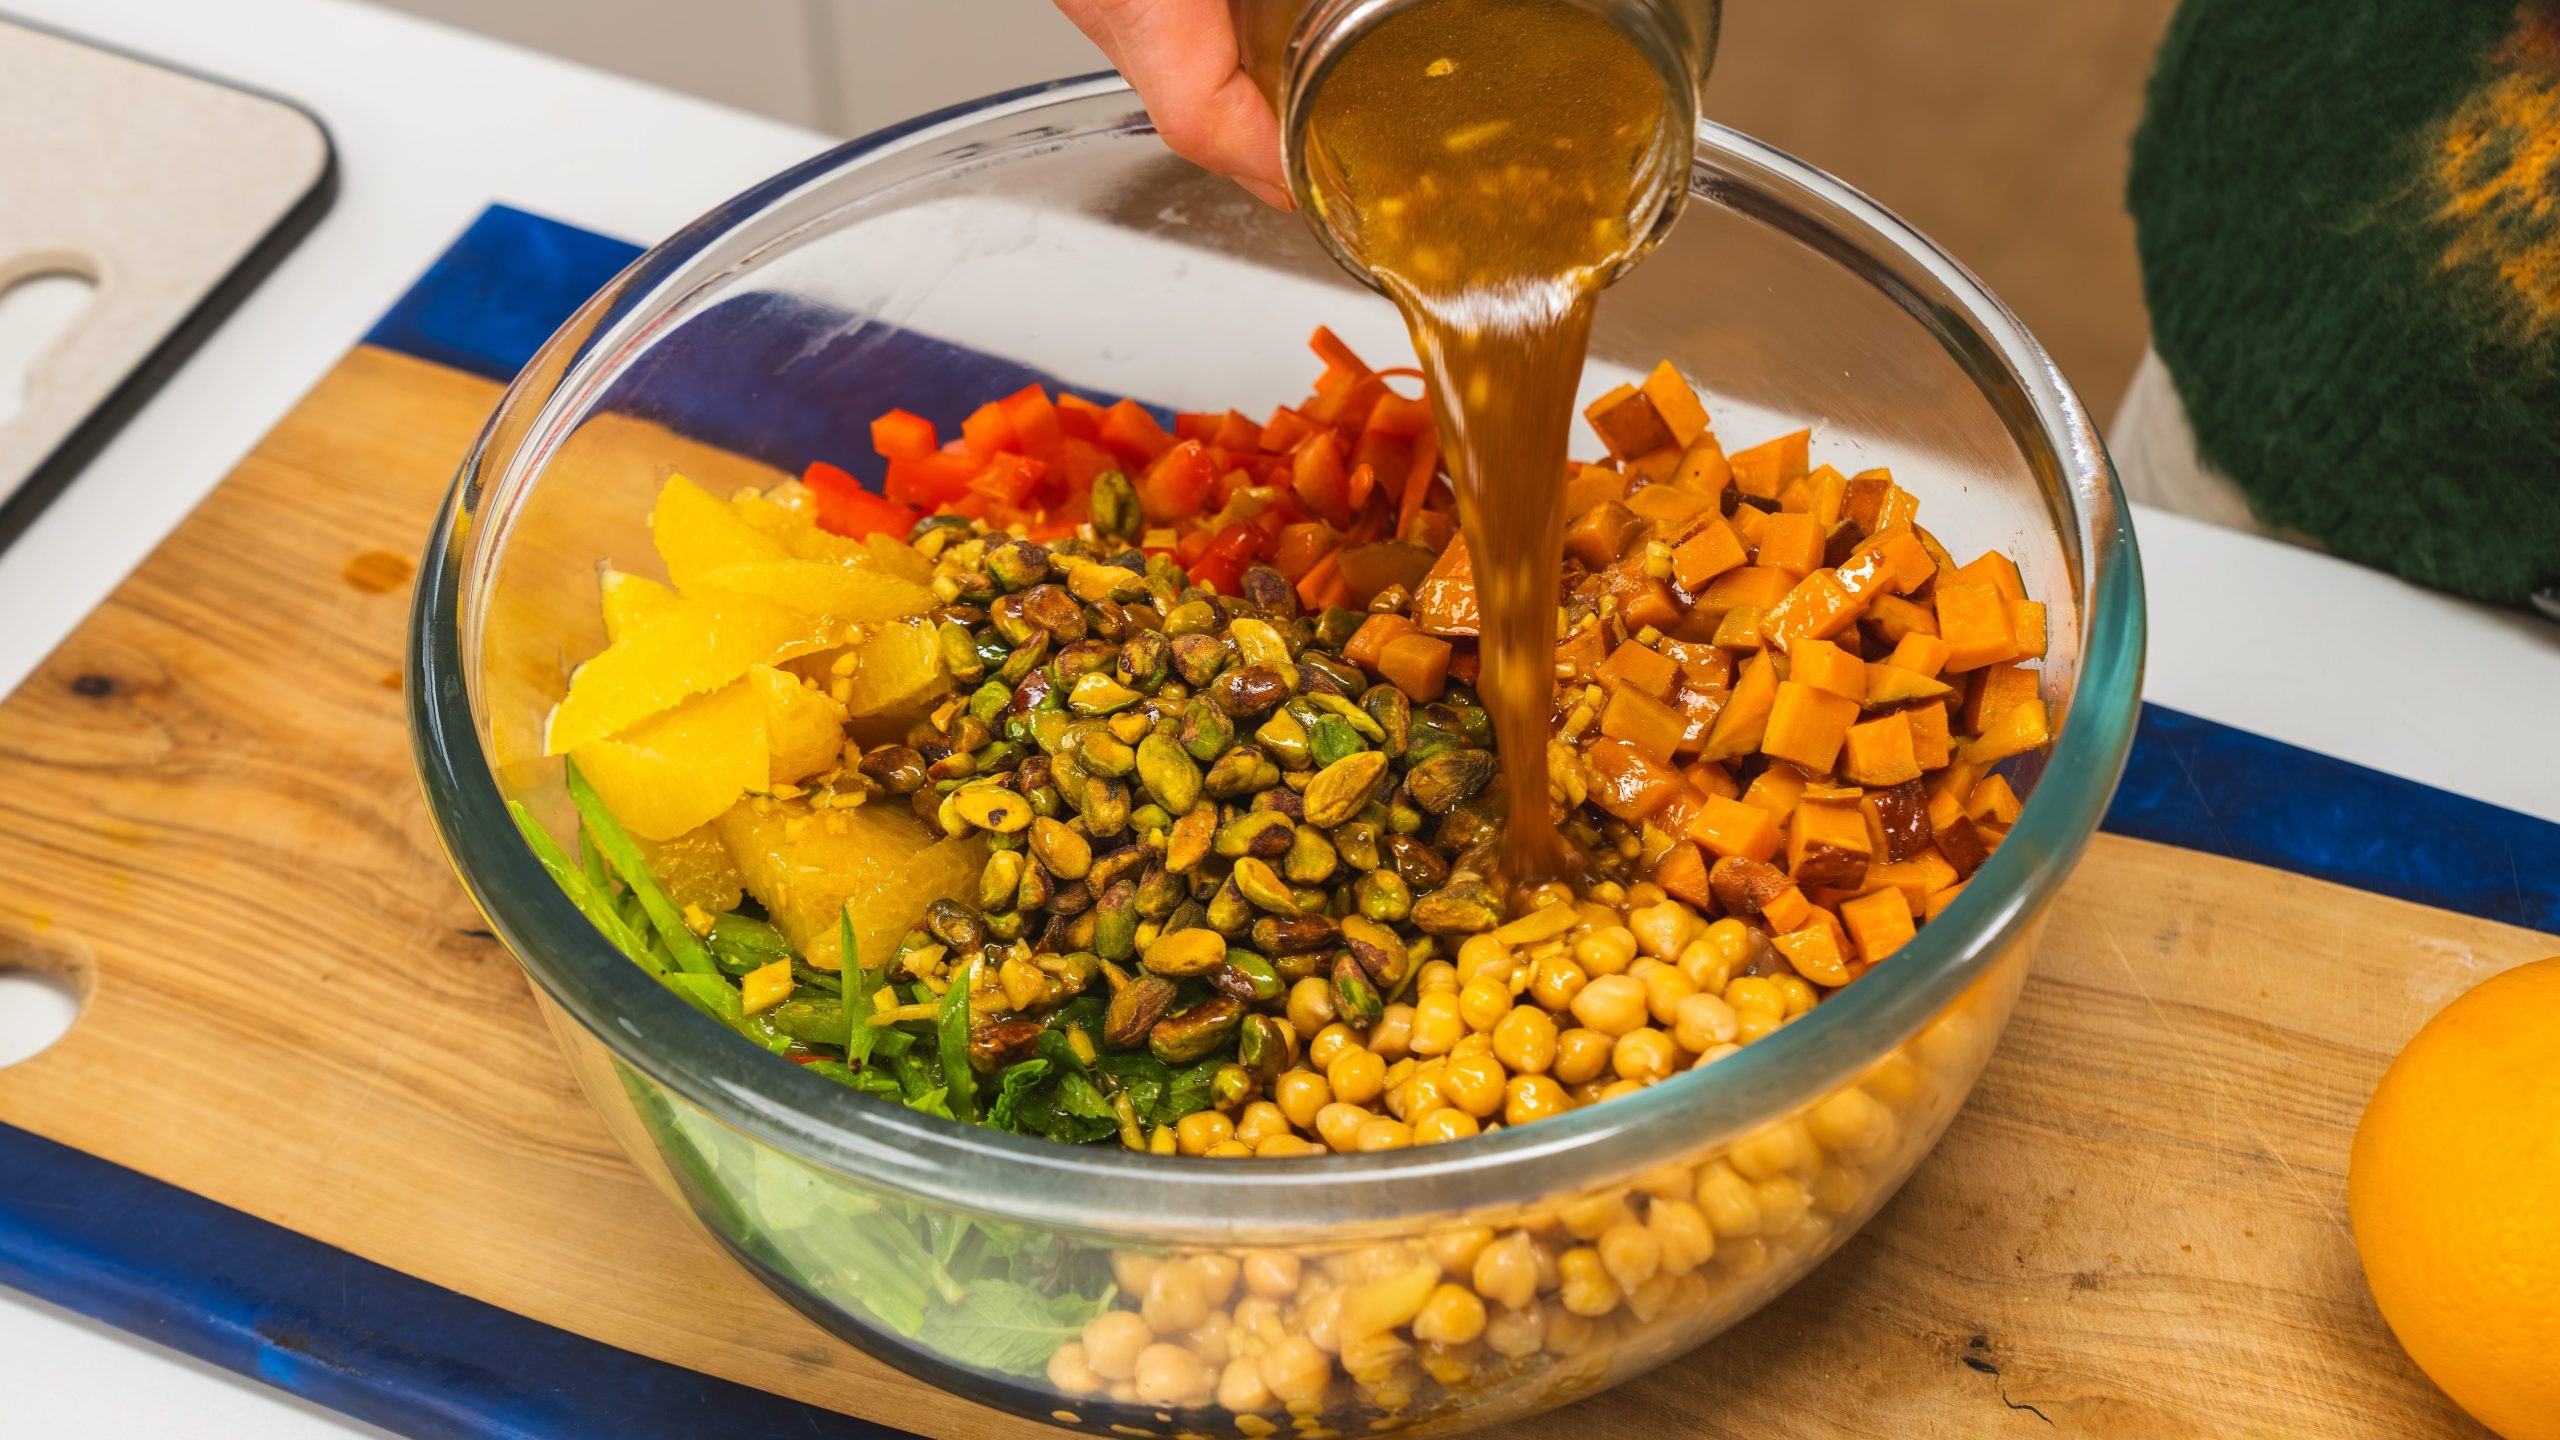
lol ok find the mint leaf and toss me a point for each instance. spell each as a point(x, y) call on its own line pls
point(1013, 1088)
point(1006, 1326)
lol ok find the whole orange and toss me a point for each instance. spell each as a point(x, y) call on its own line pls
point(2454, 1191)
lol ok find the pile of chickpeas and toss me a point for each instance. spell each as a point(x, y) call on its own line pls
point(1578, 1001)
point(1575, 1002)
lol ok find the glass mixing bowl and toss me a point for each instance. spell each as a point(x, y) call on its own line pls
point(1048, 234)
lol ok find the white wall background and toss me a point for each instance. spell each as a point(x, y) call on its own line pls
point(843, 66)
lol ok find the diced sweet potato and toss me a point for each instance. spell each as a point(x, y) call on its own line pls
point(1708, 551)
point(1751, 585)
point(1627, 422)
point(1919, 654)
point(1889, 684)
point(1599, 535)
point(1940, 899)
point(1657, 466)
point(1743, 885)
point(1993, 692)
point(1899, 817)
point(1668, 506)
point(1974, 621)
point(1879, 752)
point(1739, 729)
point(2026, 627)
point(1818, 606)
point(2022, 729)
point(1682, 871)
point(1445, 602)
point(1827, 667)
point(1644, 722)
point(1703, 468)
point(1676, 401)
point(1792, 543)
point(1641, 666)
point(1418, 665)
point(1711, 778)
point(1993, 800)
point(1627, 782)
point(1995, 570)
point(1367, 642)
point(1894, 618)
point(1592, 485)
point(1788, 910)
point(1765, 469)
point(1807, 726)
point(1963, 846)
point(1878, 924)
point(1816, 950)
point(1730, 827)
point(1581, 655)
point(1742, 629)
point(1776, 790)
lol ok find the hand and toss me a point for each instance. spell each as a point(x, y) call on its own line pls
point(1183, 58)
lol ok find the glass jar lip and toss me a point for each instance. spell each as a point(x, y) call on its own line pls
point(1105, 1190)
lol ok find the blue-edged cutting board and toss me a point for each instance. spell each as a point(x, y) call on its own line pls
point(310, 1126)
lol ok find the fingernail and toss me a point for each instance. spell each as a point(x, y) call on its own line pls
point(1268, 193)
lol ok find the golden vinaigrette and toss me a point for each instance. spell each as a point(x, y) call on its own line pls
point(1483, 157)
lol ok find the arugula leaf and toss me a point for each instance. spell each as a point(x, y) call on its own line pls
point(859, 993)
point(1013, 1087)
point(1007, 1326)
point(951, 1028)
point(624, 857)
point(935, 1101)
point(592, 896)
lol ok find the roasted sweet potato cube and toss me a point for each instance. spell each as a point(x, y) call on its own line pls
point(1940, 899)
point(1741, 629)
point(1599, 535)
point(1627, 422)
point(1643, 601)
point(1889, 684)
point(1751, 585)
point(1739, 729)
point(1830, 494)
point(1788, 910)
point(1974, 621)
point(1743, 885)
point(1792, 543)
point(1827, 845)
point(1963, 846)
point(1993, 692)
point(1919, 654)
point(1865, 499)
point(1579, 657)
point(1894, 618)
point(1590, 485)
point(1711, 778)
point(1878, 923)
point(1700, 662)
point(1416, 664)
point(1668, 506)
point(1931, 742)
point(1703, 468)
point(1644, 722)
point(2026, 627)
point(1363, 647)
point(1445, 602)
point(1749, 521)
point(1641, 666)
point(1807, 726)
point(1995, 570)
point(1730, 827)
point(1706, 552)
point(1656, 467)
point(1816, 950)
point(1993, 800)
point(1899, 557)
point(1900, 816)
point(1766, 469)
point(2022, 729)
point(1818, 606)
point(1879, 751)
point(1676, 401)
point(1682, 871)
point(1627, 782)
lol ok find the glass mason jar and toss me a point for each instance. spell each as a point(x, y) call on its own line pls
point(1291, 46)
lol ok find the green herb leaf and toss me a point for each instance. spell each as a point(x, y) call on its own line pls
point(936, 1101)
point(859, 996)
point(624, 857)
point(1012, 1088)
point(1190, 1092)
point(584, 891)
point(951, 1027)
point(1006, 1326)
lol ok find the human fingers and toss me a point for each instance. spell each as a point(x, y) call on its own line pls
point(1182, 58)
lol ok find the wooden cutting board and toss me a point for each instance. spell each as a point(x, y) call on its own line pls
point(207, 816)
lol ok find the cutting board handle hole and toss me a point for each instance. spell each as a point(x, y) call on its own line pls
point(40, 300)
point(42, 990)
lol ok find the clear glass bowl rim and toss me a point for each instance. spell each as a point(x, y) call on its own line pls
point(1107, 1190)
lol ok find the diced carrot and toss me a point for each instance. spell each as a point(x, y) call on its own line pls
point(1417, 664)
point(1346, 408)
point(1807, 725)
point(1417, 482)
point(1676, 401)
point(901, 435)
point(1644, 722)
point(1128, 429)
point(1284, 430)
point(1395, 415)
point(1827, 667)
point(1738, 730)
point(1640, 666)
point(1730, 827)
point(1764, 469)
point(1879, 752)
point(1336, 355)
point(1627, 782)
point(1319, 582)
point(1975, 623)
point(1878, 923)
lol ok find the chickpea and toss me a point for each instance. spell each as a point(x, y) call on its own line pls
point(1587, 1290)
point(1525, 1040)
point(1228, 1150)
point(1483, 1003)
point(1112, 1341)
point(1301, 1094)
point(1456, 1250)
point(1281, 1147)
point(1744, 1258)
point(1545, 1244)
point(1714, 1053)
point(1651, 1298)
point(1477, 952)
point(1241, 1389)
point(1641, 894)
point(1358, 1077)
point(1782, 1147)
point(1895, 1079)
point(1218, 1274)
point(1532, 1097)
point(1569, 1334)
point(1838, 1189)
point(1681, 1230)
point(1606, 950)
point(1664, 988)
point(1474, 1084)
point(1506, 1271)
point(1783, 1201)
point(1338, 1124)
point(1392, 1037)
point(1732, 940)
point(1172, 1376)
point(1196, 1132)
point(1381, 1133)
point(1555, 982)
point(1799, 996)
point(1731, 1208)
point(1296, 1372)
point(1437, 1023)
point(1616, 1089)
point(1257, 1324)
point(1133, 1270)
point(1311, 1005)
point(1580, 1054)
point(1069, 1372)
point(1644, 1056)
point(1611, 1004)
point(1588, 1217)
point(1586, 1093)
point(1753, 1023)
point(1755, 991)
point(1176, 1299)
point(1850, 1121)
point(1372, 1362)
point(1631, 1253)
point(1516, 1334)
point(1213, 1340)
point(1701, 1022)
point(1445, 1124)
point(1272, 1273)
point(1320, 1320)
point(1663, 930)
point(1452, 1315)
point(1436, 977)
point(1451, 1365)
point(1703, 965)
point(1331, 1043)
point(1260, 1120)
point(1474, 1042)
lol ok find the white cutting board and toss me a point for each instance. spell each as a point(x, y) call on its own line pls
point(147, 188)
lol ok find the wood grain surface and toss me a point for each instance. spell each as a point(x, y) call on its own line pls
point(2137, 1228)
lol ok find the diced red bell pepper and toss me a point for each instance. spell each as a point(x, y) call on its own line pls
point(1285, 429)
point(1079, 418)
point(1191, 547)
point(901, 435)
point(1009, 479)
point(1347, 408)
point(846, 508)
point(1034, 421)
point(1173, 487)
point(1130, 430)
point(934, 478)
point(1395, 415)
point(1302, 545)
point(1197, 425)
point(1316, 477)
point(1221, 566)
point(1237, 432)
point(1074, 465)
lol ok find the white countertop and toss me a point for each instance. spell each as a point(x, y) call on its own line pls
point(432, 124)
